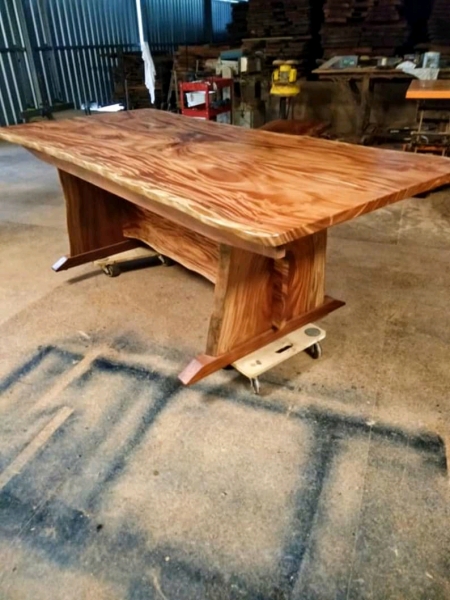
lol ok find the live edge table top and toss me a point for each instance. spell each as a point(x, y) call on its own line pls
point(266, 188)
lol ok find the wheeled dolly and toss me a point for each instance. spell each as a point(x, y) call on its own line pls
point(307, 339)
point(139, 257)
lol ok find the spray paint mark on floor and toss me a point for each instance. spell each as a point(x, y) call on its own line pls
point(113, 470)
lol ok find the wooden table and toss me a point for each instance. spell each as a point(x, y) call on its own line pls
point(249, 210)
point(363, 94)
point(433, 116)
point(429, 90)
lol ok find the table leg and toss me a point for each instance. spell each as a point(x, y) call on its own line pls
point(259, 300)
point(366, 106)
point(95, 221)
point(363, 97)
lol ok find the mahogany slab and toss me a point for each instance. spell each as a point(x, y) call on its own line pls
point(266, 188)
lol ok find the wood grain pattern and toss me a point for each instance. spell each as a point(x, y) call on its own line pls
point(190, 249)
point(94, 216)
point(255, 294)
point(280, 291)
point(183, 219)
point(242, 301)
point(306, 286)
point(204, 364)
point(266, 188)
point(429, 90)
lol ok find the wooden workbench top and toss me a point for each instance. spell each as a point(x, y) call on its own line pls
point(429, 90)
point(262, 187)
point(360, 72)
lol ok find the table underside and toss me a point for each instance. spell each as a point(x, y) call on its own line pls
point(258, 298)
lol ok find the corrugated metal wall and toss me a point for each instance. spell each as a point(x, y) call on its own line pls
point(65, 50)
point(172, 22)
point(17, 88)
point(61, 51)
point(76, 42)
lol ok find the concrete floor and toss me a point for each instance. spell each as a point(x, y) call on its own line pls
point(117, 483)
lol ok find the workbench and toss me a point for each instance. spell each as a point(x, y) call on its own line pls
point(433, 116)
point(249, 210)
point(362, 94)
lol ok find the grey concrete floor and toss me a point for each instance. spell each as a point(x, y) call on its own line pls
point(117, 483)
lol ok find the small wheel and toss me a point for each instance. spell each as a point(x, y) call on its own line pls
point(111, 270)
point(315, 351)
point(256, 386)
point(165, 260)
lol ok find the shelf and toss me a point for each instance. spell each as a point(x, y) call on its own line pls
point(207, 114)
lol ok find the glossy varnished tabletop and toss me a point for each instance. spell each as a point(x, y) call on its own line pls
point(429, 90)
point(266, 188)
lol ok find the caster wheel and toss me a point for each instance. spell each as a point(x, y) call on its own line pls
point(111, 270)
point(165, 260)
point(256, 386)
point(315, 351)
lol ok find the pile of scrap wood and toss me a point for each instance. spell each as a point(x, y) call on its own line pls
point(363, 26)
point(237, 28)
point(439, 24)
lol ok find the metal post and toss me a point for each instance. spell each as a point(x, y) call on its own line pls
point(18, 7)
point(207, 21)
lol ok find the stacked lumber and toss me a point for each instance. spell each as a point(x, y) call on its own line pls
point(439, 23)
point(189, 60)
point(342, 26)
point(366, 26)
point(271, 49)
point(237, 29)
point(274, 19)
point(385, 27)
point(278, 18)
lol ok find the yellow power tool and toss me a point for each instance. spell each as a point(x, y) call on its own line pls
point(285, 85)
point(284, 79)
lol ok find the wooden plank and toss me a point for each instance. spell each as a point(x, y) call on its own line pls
point(68, 262)
point(265, 188)
point(190, 249)
point(205, 365)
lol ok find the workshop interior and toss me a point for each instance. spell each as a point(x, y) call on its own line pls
point(224, 322)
